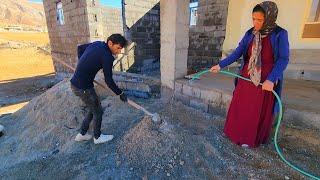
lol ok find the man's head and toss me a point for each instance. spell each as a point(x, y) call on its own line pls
point(116, 42)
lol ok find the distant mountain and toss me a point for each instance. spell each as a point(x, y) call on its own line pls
point(22, 12)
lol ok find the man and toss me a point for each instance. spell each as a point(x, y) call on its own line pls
point(93, 57)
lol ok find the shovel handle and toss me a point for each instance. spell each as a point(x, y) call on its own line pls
point(137, 106)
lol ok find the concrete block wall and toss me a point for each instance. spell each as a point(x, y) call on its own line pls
point(65, 38)
point(87, 21)
point(212, 101)
point(143, 19)
point(112, 21)
point(134, 84)
point(206, 38)
point(304, 64)
point(95, 20)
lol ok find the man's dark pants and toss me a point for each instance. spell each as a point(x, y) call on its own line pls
point(91, 100)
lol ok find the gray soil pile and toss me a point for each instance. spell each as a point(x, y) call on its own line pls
point(39, 143)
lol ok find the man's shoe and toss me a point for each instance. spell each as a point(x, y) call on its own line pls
point(102, 139)
point(81, 137)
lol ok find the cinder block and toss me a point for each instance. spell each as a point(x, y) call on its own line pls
point(187, 90)
point(211, 96)
point(226, 100)
point(198, 104)
point(184, 99)
point(178, 87)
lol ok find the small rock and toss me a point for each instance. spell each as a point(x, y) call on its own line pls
point(286, 177)
point(118, 163)
point(181, 163)
point(174, 157)
point(55, 151)
point(170, 165)
point(168, 174)
point(131, 169)
point(197, 161)
point(1, 128)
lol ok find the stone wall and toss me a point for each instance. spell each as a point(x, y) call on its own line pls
point(206, 38)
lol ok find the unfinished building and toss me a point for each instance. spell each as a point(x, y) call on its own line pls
point(194, 35)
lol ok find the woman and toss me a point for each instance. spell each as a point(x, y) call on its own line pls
point(265, 50)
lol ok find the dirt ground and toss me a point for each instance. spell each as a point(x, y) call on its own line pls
point(188, 144)
point(25, 60)
point(25, 71)
point(40, 38)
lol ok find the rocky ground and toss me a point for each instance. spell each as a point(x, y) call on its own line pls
point(38, 143)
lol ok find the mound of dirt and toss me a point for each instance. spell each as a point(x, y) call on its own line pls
point(152, 148)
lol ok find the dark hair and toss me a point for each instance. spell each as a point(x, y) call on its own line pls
point(258, 8)
point(118, 39)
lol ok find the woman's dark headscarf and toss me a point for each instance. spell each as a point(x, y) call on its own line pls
point(270, 16)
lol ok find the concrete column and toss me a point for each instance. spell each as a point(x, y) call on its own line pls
point(174, 19)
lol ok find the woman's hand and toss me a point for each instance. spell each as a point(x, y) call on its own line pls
point(215, 68)
point(267, 85)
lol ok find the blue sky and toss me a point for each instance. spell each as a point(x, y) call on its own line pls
point(112, 3)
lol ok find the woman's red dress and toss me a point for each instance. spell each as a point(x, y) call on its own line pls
point(250, 114)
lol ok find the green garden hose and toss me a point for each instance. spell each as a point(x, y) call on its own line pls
point(196, 76)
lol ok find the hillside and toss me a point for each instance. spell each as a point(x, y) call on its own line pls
point(22, 12)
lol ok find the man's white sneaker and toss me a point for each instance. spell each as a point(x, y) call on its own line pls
point(81, 137)
point(102, 139)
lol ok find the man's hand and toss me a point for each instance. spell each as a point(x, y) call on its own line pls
point(123, 97)
point(267, 85)
point(215, 68)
